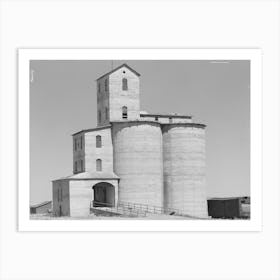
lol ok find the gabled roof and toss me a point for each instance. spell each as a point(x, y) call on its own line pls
point(123, 65)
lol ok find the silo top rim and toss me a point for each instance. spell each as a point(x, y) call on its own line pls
point(179, 116)
point(136, 121)
point(197, 125)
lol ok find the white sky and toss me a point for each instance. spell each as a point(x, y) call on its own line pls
point(63, 101)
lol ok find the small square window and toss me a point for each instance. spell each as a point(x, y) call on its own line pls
point(124, 112)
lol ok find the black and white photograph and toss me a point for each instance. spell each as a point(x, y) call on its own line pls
point(140, 139)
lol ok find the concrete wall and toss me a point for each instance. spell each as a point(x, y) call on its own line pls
point(79, 152)
point(138, 161)
point(92, 153)
point(119, 98)
point(184, 168)
point(60, 192)
point(81, 195)
point(103, 101)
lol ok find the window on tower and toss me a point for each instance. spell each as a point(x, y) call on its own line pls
point(106, 113)
point(98, 165)
point(124, 112)
point(98, 141)
point(106, 84)
point(99, 116)
point(124, 84)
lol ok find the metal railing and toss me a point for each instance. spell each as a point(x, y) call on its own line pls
point(137, 209)
point(118, 209)
point(150, 209)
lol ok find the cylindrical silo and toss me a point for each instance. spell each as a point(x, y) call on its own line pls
point(184, 168)
point(138, 161)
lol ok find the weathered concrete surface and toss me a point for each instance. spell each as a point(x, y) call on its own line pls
point(78, 152)
point(73, 197)
point(136, 149)
point(184, 169)
point(81, 195)
point(119, 98)
point(103, 101)
point(61, 202)
point(105, 153)
point(138, 161)
point(112, 98)
point(85, 155)
point(165, 119)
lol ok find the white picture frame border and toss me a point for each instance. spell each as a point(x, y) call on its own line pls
point(255, 57)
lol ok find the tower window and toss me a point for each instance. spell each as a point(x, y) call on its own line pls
point(81, 142)
point(124, 112)
point(106, 85)
point(170, 120)
point(99, 116)
point(156, 118)
point(76, 167)
point(82, 165)
point(106, 113)
point(124, 84)
point(98, 141)
point(75, 144)
point(98, 165)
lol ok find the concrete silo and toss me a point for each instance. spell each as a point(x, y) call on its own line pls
point(138, 161)
point(184, 168)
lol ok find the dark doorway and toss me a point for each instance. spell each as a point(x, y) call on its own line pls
point(104, 195)
point(60, 211)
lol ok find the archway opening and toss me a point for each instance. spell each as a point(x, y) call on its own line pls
point(104, 195)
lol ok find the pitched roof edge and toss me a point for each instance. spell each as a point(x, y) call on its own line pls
point(117, 68)
point(92, 129)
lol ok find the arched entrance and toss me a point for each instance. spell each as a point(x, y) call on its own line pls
point(104, 195)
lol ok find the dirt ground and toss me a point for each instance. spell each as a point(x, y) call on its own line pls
point(93, 217)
